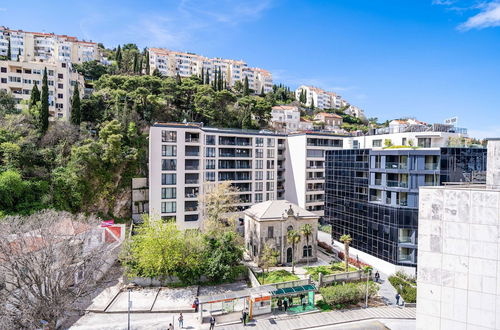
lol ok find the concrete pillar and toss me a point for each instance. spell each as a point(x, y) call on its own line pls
point(493, 167)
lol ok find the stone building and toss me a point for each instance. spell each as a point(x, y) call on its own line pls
point(267, 223)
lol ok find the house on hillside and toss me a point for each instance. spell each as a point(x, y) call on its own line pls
point(331, 120)
point(305, 125)
point(285, 118)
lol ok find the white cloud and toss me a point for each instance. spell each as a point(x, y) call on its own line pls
point(443, 2)
point(488, 17)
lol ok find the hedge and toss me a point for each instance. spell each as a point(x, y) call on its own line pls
point(348, 293)
point(404, 288)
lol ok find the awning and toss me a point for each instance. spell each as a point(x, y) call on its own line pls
point(294, 290)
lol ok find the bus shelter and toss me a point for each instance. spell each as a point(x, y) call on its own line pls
point(298, 299)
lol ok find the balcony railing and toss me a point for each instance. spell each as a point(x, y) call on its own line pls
point(191, 209)
point(395, 183)
point(192, 139)
point(192, 153)
point(191, 195)
point(378, 182)
point(431, 166)
point(192, 167)
point(403, 202)
point(396, 165)
point(192, 181)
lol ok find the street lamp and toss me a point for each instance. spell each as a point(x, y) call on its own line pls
point(129, 305)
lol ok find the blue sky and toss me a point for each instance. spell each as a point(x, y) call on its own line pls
point(431, 59)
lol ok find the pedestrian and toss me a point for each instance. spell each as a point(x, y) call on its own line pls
point(285, 304)
point(181, 321)
point(397, 298)
point(244, 317)
point(303, 304)
point(196, 303)
point(170, 326)
point(377, 276)
point(212, 322)
point(280, 303)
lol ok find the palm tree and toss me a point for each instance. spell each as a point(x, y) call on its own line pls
point(346, 239)
point(307, 230)
point(293, 237)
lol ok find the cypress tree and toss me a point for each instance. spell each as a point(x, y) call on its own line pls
point(135, 63)
point(119, 57)
point(9, 54)
point(44, 111)
point(312, 103)
point(221, 80)
point(35, 96)
point(178, 78)
point(208, 77)
point(246, 89)
point(76, 113)
point(139, 68)
point(148, 68)
point(203, 76)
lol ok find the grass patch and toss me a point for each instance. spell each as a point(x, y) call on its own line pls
point(276, 276)
point(326, 228)
point(335, 268)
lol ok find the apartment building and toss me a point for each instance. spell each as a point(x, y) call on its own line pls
point(304, 177)
point(459, 253)
point(170, 63)
point(44, 47)
point(322, 99)
point(18, 78)
point(372, 194)
point(285, 118)
point(185, 159)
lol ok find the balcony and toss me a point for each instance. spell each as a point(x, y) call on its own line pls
point(431, 166)
point(192, 137)
point(378, 182)
point(397, 184)
point(396, 166)
point(192, 181)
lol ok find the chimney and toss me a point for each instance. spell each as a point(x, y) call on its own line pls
point(493, 164)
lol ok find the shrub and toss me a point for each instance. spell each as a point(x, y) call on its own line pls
point(326, 228)
point(352, 261)
point(348, 293)
point(334, 268)
point(404, 287)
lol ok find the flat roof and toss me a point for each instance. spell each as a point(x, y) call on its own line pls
point(219, 130)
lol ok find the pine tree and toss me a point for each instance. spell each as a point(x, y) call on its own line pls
point(312, 103)
point(35, 96)
point(148, 68)
point(246, 89)
point(9, 51)
point(208, 77)
point(44, 110)
point(119, 57)
point(76, 114)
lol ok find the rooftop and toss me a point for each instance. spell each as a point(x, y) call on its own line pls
point(274, 210)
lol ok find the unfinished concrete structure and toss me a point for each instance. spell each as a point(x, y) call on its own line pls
point(459, 253)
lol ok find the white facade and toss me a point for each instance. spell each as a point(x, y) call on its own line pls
point(18, 78)
point(171, 63)
point(183, 158)
point(321, 98)
point(37, 46)
point(305, 169)
point(285, 118)
point(427, 139)
point(459, 254)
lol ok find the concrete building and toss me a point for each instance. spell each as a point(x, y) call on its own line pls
point(305, 125)
point(321, 98)
point(18, 78)
point(170, 63)
point(331, 121)
point(267, 224)
point(304, 179)
point(459, 253)
point(184, 158)
point(44, 47)
point(372, 194)
point(285, 118)
point(140, 198)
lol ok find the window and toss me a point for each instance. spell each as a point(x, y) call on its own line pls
point(210, 152)
point(270, 232)
point(50, 72)
point(270, 142)
point(60, 96)
point(404, 141)
point(168, 193)
point(259, 153)
point(4, 80)
point(3, 69)
point(270, 153)
point(270, 164)
point(307, 251)
point(259, 175)
point(60, 76)
point(168, 151)
point(168, 164)
point(424, 142)
point(210, 164)
point(210, 139)
point(60, 86)
point(210, 176)
point(168, 207)
point(376, 143)
point(315, 153)
point(269, 196)
point(191, 217)
point(258, 198)
point(259, 142)
point(269, 186)
point(259, 186)
point(168, 136)
point(63, 65)
point(270, 175)
point(259, 164)
point(168, 179)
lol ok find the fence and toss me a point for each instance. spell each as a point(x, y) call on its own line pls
point(341, 277)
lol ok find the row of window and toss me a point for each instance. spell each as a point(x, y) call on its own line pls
point(192, 178)
point(171, 136)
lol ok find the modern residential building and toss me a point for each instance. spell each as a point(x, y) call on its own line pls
point(267, 224)
point(185, 158)
point(18, 78)
point(304, 160)
point(459, 253)
point(321, 98)
point(170, 63)
point(44, 47)
point(285, 118)
point(372, 194)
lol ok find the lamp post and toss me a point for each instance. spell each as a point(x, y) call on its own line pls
point(129, 305)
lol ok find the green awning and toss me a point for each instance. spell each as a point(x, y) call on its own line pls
point(294, 290)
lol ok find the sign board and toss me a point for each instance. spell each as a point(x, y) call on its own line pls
point(107, 223)
point(451, 121)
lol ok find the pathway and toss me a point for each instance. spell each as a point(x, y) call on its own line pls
point(326, 318)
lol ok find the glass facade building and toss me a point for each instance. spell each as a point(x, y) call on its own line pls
point(373, 194)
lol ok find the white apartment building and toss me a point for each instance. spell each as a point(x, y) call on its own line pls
point(170, 63)
point(321, 98)
point(185, 158)
point(43, 47)
point(304, 178)
point(285, 118)
point(18, 78)
point(459, 253)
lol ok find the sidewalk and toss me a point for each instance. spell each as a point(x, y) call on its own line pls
point(327, 318)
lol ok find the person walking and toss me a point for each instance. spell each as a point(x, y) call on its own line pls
point(244, 317)
point(212, 322)
point(196, 303)
point(397, 298)
point(285, 304)
point(181, 321)
point(377, 276)
point(280, 303)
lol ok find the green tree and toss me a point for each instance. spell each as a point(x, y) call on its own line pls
point(9, 50)
point(135, 65)
point(19, 55)
point(218, 205)
point(246, 88)
point(293, 237)
point(307, 231)
point(7, 104)
point(35, 96)
point(312, 103)
point(76, 114)
point(148, 66)
point(44, 110)
point(91, 70)
point(268, 259)
point(203, 75)
point(10, 154)
point(119, 57)
point(346, 239)
point(221, 255)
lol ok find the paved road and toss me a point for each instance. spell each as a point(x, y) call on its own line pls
point(373, 325)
